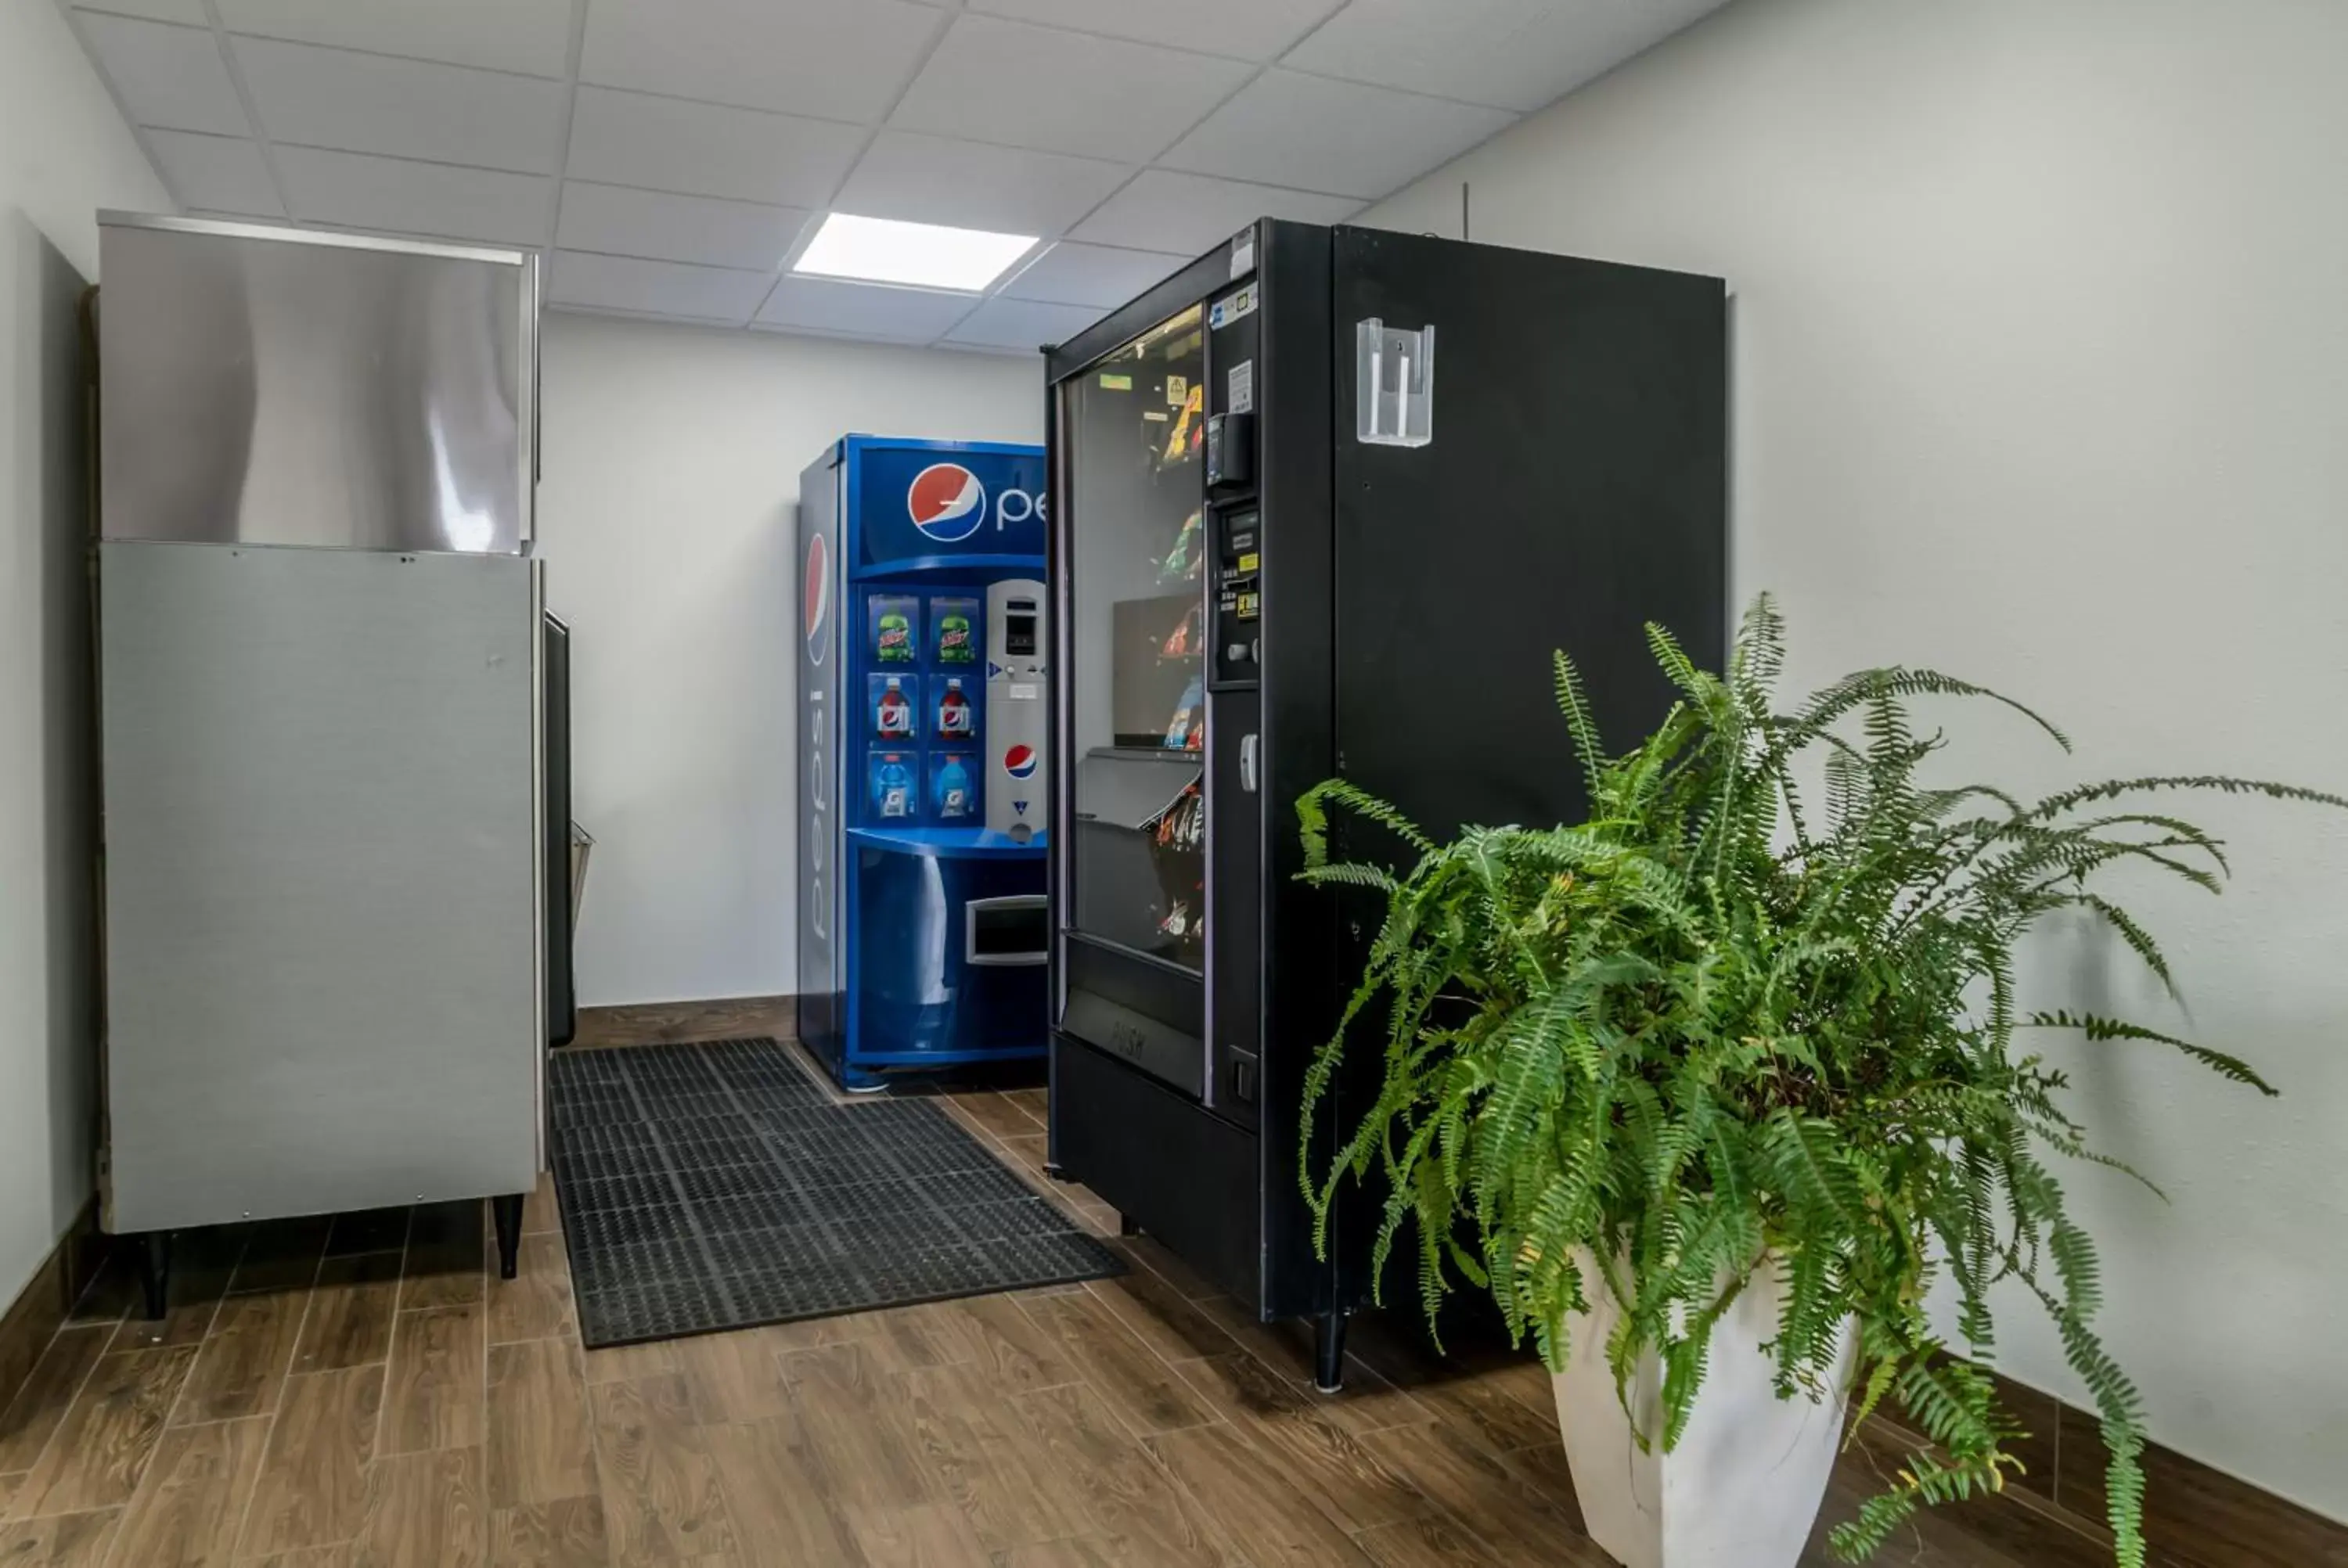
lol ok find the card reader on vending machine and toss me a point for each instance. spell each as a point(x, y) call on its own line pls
point(1017, 714)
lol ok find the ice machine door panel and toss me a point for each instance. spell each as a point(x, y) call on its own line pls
point(322, 880)
point(1136, 567)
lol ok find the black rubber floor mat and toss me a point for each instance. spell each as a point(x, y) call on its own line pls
point(706, 1187)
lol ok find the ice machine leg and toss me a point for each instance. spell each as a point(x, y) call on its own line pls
point(506, 1213)
point(155, 1272)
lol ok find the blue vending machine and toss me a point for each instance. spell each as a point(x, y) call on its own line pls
point(924, 934)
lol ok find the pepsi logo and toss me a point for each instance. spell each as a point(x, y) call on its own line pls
point(1020, 762)
point(818, 599)
point(946, 502)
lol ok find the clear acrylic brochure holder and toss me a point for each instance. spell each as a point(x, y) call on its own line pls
point(1395, 378)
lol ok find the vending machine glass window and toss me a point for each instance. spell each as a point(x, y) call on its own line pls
point(1137, 553)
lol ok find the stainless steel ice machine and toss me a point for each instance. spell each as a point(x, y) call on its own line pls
point(321, 723)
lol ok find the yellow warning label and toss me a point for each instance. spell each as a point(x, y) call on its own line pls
point(1247, 563)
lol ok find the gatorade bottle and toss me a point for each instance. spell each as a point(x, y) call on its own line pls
point(894, 718)
point(954, 710)
point(954, 789)
point(893, 793)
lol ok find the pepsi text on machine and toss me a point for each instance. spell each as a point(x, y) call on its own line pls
point(948, 504)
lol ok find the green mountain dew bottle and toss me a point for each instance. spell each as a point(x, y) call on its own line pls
point(953, 638)
point(896, 639)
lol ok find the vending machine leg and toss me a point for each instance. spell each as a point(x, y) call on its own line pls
point(1329, 1352)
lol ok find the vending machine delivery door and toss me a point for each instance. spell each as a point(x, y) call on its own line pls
point(1012, 932)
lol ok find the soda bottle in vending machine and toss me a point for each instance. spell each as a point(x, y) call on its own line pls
point(954, 710)
point(893, 718)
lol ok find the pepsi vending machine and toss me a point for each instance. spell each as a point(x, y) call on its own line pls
point(923, 931)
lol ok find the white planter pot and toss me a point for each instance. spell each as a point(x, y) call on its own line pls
point(1743, 1488)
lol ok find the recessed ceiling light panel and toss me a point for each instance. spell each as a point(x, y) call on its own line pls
point(924, 255)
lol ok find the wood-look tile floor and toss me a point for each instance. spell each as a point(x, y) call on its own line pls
point(363, 1393)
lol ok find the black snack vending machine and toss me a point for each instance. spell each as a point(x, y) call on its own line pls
point(1321, 504)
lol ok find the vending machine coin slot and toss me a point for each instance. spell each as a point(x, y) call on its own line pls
point(1239, 597)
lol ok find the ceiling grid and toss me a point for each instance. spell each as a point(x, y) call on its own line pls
point(674, 157)
point(574, 49)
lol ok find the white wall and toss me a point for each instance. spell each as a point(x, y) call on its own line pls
point(671, 462)
point(64, 153)
point(2042, 377)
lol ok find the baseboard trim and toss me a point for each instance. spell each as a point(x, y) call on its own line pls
point(673, 1023)
point(32, 1318)
point(2195, 1516)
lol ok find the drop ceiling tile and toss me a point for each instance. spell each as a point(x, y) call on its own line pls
point(662, 288)
point(1063, 92)
point(218, 173)
point(1248, 29)
point(863, 310)
point(1189, 214)
point(1314, 134)
point(1096, 275)
point(837, 59)
point(533, 36)
point(310, 96)
point(191, 12)
point(357, 191)
point(620, 221)
point(701, 150)
point(171, 77)
point(972, 185)
point(1022, 324)
point(1516, 54)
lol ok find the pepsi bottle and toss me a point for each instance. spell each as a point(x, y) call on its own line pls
point(954, 710)
point(894, 717)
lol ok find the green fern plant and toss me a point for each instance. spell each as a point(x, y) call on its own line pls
point(1710, 1024)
